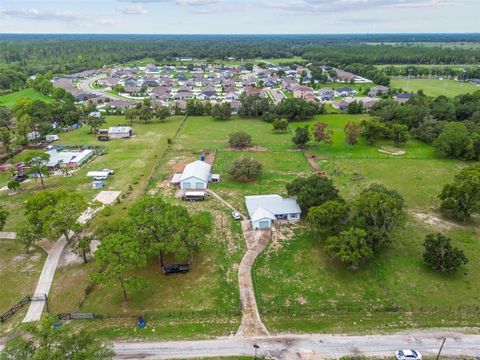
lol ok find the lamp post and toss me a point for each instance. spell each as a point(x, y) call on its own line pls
point(256, 347)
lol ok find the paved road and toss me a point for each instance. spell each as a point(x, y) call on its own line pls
point(45, 280)
point(305, 346)
point(85, 86)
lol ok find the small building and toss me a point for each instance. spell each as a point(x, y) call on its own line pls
point(72, 158)
point(403, 98)
point(265, 210)
point(378, 90)
point(196, 175)
point(97, 184)
point(120, 132)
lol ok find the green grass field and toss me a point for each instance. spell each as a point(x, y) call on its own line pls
point(18, 276)
point(448, 88)
point(10, 99)
point(298, 286)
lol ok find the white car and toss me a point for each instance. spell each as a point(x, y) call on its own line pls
point(236, 215)
point(408, 355)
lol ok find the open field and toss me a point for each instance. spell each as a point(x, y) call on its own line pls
point(132, 159)
point(298, 286)
point(18, 276)
point(435, 87)
point(10, 99)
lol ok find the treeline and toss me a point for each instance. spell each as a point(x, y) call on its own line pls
point(467, 72)
point(26, 55)
point(388, 54)
point(452, 125)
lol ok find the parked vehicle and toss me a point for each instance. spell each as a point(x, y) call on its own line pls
point(20, 177)
point(176, 269)
point(408, 355)
point(236, 215)
point(194, 196)
point(100, 177)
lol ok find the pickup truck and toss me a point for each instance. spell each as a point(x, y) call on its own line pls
point(176, 269)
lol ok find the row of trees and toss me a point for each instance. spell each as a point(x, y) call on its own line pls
point(153, 227)
point(452, 125)
point(322, 134)
point(354, 232)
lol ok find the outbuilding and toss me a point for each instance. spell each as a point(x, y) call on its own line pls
point(196, 175)
point(120, 132)
point(265, 210)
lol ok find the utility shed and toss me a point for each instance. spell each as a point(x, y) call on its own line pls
point(264, 210)
point(196, 175)
point(119, 132)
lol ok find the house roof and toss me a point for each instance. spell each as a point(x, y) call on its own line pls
point(198, 169)
point(263, 206)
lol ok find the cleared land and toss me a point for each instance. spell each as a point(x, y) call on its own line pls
point(10, 99)
point(297, 286)
point(300, 289)
point(435, 87)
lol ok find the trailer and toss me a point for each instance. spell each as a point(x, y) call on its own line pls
point(98, 175)
point(194, 196)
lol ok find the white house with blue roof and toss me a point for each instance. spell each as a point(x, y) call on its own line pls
point(264, 210)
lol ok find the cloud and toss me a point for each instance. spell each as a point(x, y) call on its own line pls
point(133, 10)
point(328, 6)
point(59, 15)
point(197, 2)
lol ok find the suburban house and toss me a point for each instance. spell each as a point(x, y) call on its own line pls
point(346, 91)
point(403, 98)
point(120, 132)
point(327, 93)
point(196, 175)
point(302, 92)
point(344, 76)
point(265, 210)
point(378, 90)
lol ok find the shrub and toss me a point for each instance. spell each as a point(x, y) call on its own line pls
point(245, 169)
point(240, 139)
point(440, 256)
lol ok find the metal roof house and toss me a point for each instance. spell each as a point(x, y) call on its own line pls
point(69, 158)
point(264, 210)
point(196, 175)
point(119, 132)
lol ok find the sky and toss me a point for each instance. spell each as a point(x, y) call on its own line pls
point(239, 16)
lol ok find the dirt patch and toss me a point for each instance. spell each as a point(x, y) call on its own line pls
point(390, 150)
point(255, 148)
point(282, 233)
point(435, 221)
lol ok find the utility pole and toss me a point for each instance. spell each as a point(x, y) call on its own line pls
point(441, 348)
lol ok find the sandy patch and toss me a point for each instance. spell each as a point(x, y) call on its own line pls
point(255, 148)
point(8, 235)
point(390, 150)
point(435, 221)
point(282, 232)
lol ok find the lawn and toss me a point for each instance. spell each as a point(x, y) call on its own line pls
point(298, 286)
point(18, 276)
point(448, 88)
point(200, 132)
point(132, 159)
point(32, 94)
